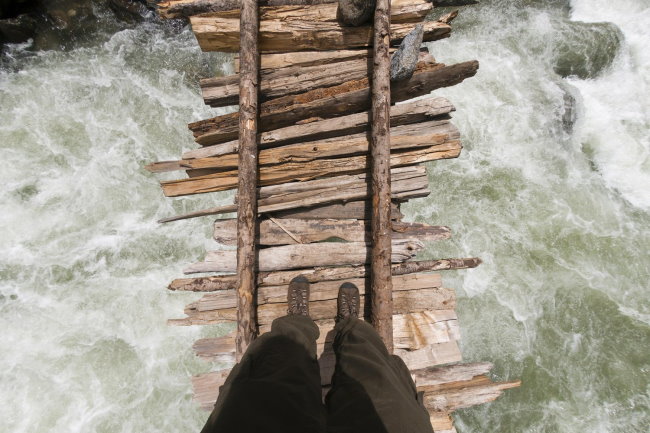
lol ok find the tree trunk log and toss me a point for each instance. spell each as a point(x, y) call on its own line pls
point(295, 28)
point(304, 256)
point(174, 9)
point(227, 282)
point(247, 179)
point(352, 210)
point(381, 293)
point(345, 99)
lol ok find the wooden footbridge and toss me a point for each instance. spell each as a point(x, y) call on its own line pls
point(322, 158)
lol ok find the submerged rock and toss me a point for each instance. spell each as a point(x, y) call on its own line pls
point(355, 12)
point(585, 50)
point(18, 29)
point(129, 10)
point(405, 59)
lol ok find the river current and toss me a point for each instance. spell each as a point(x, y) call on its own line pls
point(552, 191)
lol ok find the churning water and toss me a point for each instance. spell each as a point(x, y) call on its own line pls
point(552, 191)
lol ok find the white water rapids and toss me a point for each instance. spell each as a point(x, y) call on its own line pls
point(552, 190)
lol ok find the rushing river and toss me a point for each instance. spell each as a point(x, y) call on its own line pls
point(552, 191)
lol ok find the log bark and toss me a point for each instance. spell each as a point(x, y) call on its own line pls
point(408, 182)
point(410, 112)
point(304, 256)
point(295, 28)
point(402, 137)
point(229, 282)
point(247, 179)
point(347, 98)
point(292, 231)
point(177, 9)
point(381, 293)
point(301, 171)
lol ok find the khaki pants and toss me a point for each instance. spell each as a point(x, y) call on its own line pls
point(276, 386)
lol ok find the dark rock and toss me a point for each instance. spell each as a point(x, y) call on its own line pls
point(405, 59)
point(17, 30)
point(585, 50)
point(355, 12)
point(129, 10)
point(448, 3)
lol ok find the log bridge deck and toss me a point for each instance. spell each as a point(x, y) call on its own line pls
point(322, 162)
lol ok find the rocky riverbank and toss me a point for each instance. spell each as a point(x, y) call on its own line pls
point(54, 23)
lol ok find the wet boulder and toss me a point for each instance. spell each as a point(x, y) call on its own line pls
point(585, 50)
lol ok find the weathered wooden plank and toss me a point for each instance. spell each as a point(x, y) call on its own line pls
point(441, 328)
point(294, 28)
point(408, 182)
point(248, 174)
point(431, 376)
point(336, 101)
point(322, 291)
point(407, 301)
point(305, 256)
point(402, 137)
point(448, 397)
point(301, 171)
point(410, 112)
point(349, 210)
point(293, 230)
point(228, 282)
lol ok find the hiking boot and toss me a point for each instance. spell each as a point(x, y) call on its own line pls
point(347, 303)
point(298, 296)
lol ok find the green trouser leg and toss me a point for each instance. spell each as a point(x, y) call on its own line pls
point(276, 387)
point(372, 391)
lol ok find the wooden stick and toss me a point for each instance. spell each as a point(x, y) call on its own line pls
point(381, 293)
point(247, 179)
point(229, 282)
